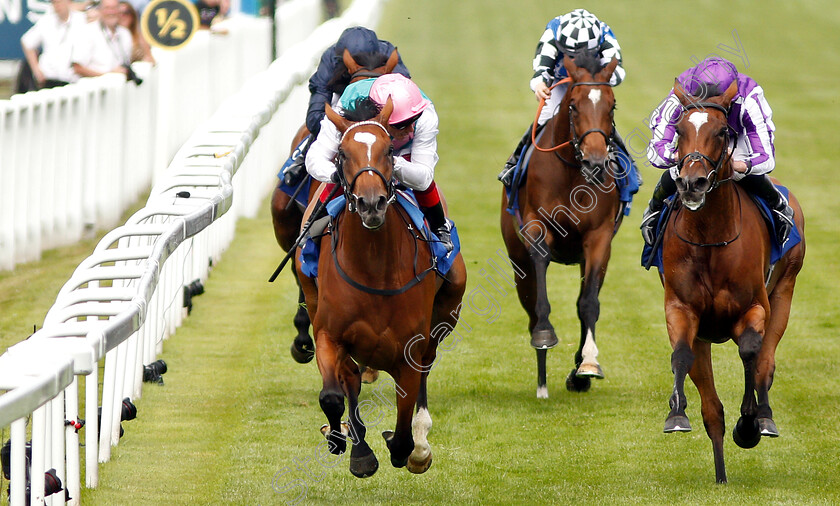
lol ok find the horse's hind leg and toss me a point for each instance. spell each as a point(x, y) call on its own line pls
point(400, 442)
point(780, 301)
point(363, 462)
point(421, 457)
point(747, 433)
point(592, 270)
point(303, 349)
point(710, 406)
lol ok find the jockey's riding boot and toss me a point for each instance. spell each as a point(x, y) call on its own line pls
point(665, 187)
point(506, 176)
point(295, 172)
point(762, 186)
point(439, 224)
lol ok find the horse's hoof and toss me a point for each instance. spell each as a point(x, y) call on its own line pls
point(369, 375)
point(345, 429)
point(746, 434)
point(677, 423)
point(577, 384)
point(543, 339)
point(387, 435)
point(364, 467)
point(419, 464)
point(768, 427)
point(302, 355)
point(590, 371)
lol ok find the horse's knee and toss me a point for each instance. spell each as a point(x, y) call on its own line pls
point(332, 404)
point(682, 359)
point(749, 344)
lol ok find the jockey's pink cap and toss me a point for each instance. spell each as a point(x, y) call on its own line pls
point(407, 98)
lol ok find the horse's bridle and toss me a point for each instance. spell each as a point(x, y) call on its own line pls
point(351, 197)
point(696, 156)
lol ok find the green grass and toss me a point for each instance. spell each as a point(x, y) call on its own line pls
point(236, 411)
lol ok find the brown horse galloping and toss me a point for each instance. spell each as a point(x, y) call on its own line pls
point(716, 262)
point(286, 215)
point(377, 302)
point(570, 211)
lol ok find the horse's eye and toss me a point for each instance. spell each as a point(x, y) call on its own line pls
point(722, 133)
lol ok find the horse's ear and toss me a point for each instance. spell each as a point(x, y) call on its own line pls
point(391, 64)
point(349, 62)
point(385, 113)
point(729, 94)
point(606, 73)
point(572, 68)
point(340, 122)
point(680, 93)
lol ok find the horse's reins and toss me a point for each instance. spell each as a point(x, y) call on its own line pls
point(697, 156)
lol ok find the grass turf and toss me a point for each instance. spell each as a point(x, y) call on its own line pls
point(236, 422)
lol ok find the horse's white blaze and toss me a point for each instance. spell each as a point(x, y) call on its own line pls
point(698, 119)
point(590, 350)
point(594, 96)
point(542, 392)
point(366, 138)
point(420, 426)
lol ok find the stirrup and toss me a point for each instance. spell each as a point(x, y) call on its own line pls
point(783, 224)
point(648, 226)
point(506, 175)
point(444, 237)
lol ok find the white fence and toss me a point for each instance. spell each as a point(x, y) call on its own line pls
point(72, 159)
point(127, 297)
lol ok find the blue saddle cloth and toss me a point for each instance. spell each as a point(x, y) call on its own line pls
point(302, 196)
point(776, 250)
point(405, 198)
point(627, 180)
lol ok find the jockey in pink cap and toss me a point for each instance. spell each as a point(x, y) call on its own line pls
point(413, 126)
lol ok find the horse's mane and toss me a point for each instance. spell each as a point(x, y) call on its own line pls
point(363, 109)
point(589, 60)
point(368, 61)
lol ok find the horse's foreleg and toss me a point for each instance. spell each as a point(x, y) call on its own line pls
point(330, 359)
point(749, 337)
point(421, 457)
point(363, 462)
point(542, 332)
point(400, 442)
point(682, 331)
point(710, 406)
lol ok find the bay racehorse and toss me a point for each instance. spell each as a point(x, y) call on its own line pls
point(286, 215)
point(377, 302)
point(719, 284)
point(569, 211)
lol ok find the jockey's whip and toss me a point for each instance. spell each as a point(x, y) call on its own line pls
point(295, 194)
point(316, 213)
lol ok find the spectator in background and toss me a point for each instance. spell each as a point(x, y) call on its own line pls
point(140, 50)
point(211, 12)
point(53, 34)
point(102, 46)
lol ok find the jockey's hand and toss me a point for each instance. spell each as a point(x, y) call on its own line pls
point(739, 166)
point(542, 92)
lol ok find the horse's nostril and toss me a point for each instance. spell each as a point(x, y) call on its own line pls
point(702, 184)
point(381, 203)
point(362, 204)
point(680, 182)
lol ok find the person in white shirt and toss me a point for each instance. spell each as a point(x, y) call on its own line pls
point(102, 46)
point(53, 34)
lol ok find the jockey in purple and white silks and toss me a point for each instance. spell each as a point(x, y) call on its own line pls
point(750, 121)
point(569, 34)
